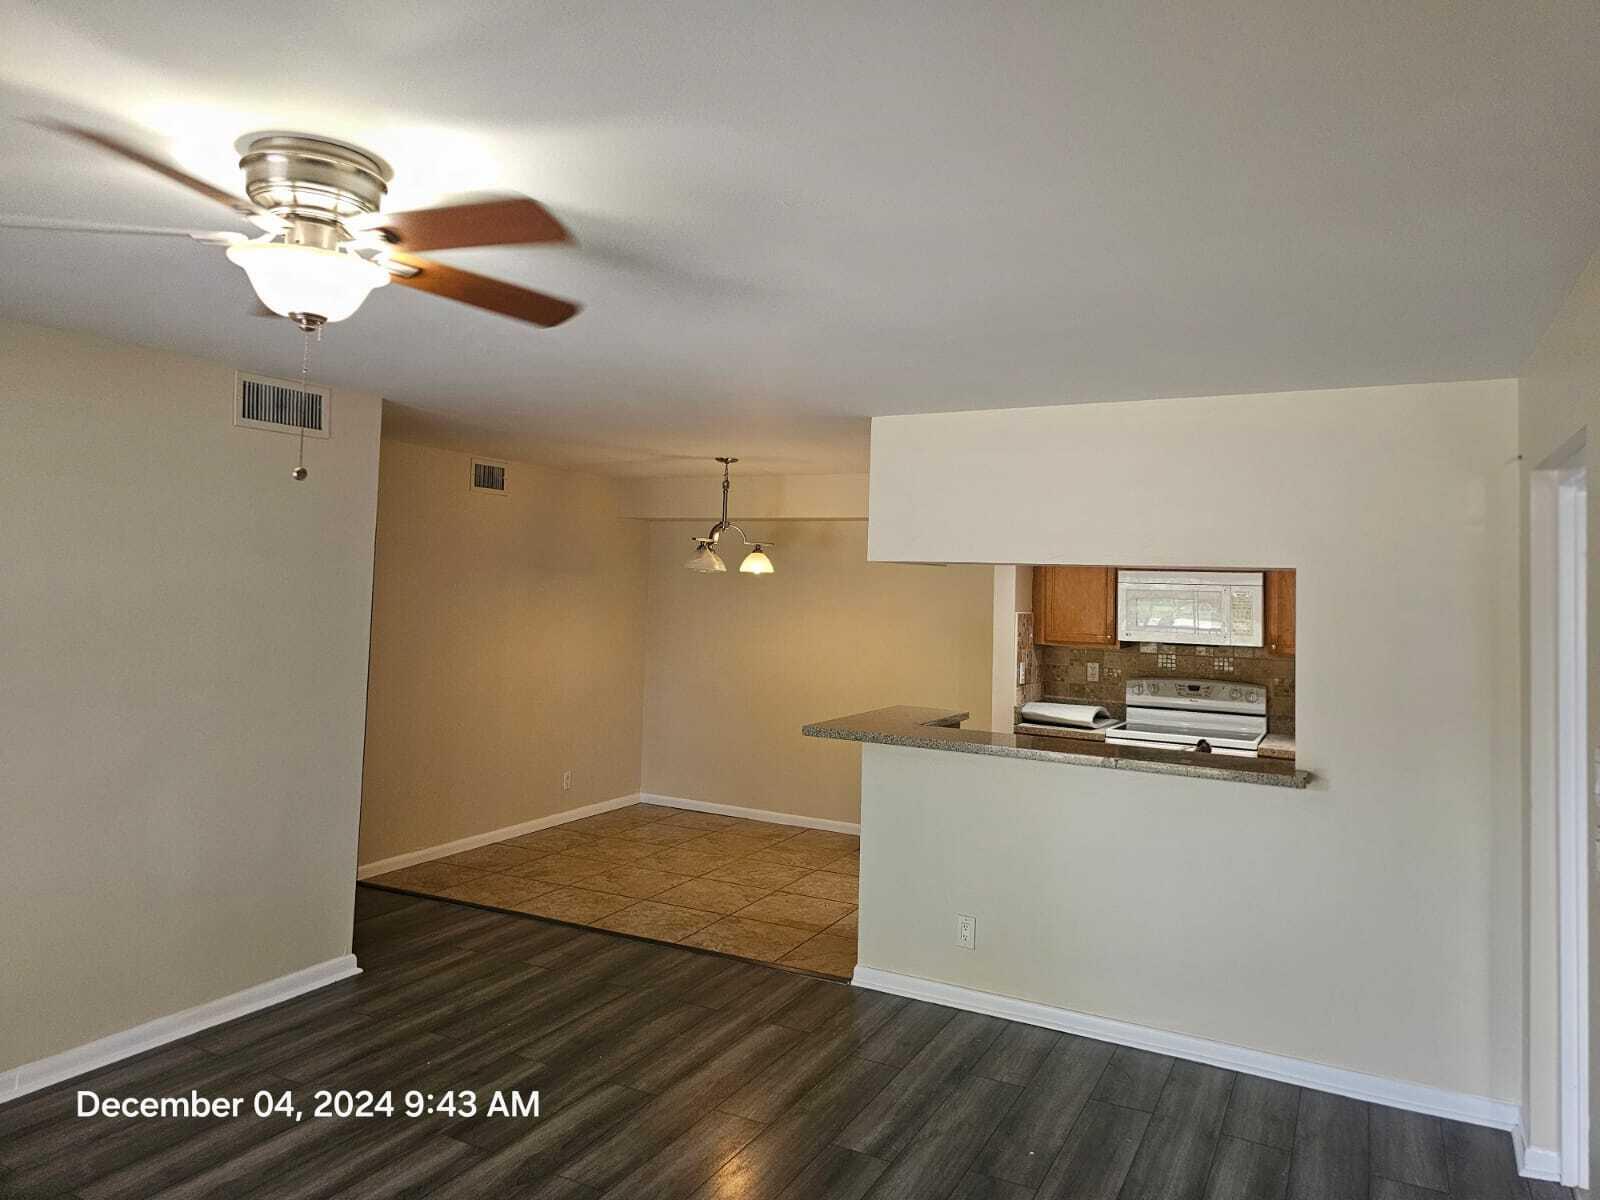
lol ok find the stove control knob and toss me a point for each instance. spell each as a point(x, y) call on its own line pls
point(1233, 693)
point(1138, 689)
point(1253, 696)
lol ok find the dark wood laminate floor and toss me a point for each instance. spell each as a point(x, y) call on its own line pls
point(666, 1073)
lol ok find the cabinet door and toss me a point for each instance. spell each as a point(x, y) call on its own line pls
point(1075, 606)
point(1280, 612)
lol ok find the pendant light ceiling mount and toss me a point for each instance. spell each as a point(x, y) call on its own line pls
point(705, 558)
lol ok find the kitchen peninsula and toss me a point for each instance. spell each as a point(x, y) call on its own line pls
point(940, 729)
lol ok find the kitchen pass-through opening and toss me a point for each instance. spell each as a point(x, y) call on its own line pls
point(1184, 660)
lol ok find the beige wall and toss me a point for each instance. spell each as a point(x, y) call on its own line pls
point(1560, 402)
point(736, 664)
point(182, 681)
point(1373, 922)
point(553, 628)
point(506, 649)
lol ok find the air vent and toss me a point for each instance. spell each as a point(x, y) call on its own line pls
point(489, 475)
point(281, 405)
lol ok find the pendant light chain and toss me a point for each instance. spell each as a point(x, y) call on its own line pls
point(307, 331)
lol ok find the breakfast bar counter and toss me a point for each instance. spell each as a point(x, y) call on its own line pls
point(940, 729)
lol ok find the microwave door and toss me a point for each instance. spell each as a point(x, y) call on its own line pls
point(1198, 608)
point(1161, 614)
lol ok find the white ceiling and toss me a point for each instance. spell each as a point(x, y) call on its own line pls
point(792, 217)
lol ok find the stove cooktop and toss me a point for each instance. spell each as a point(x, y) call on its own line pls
point(1197, 715)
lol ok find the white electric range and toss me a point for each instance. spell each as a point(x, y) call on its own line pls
point(1203, 715)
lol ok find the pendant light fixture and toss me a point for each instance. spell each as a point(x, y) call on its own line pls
point(705, 558)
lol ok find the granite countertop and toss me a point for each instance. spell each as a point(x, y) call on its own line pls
point(1060, 731)
point(939, 729)
point(1277, 745)
point(1274, 745)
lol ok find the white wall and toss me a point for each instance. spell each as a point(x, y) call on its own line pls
point(1372, 922)
point(507, 648)
point(1560, 402)
point(182, 684)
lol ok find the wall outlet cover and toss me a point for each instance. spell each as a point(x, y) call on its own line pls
point(966, 931)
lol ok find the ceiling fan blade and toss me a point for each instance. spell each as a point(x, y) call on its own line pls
point(480, 291)
point(212, 237)
point(237, 203)
point(513, 221)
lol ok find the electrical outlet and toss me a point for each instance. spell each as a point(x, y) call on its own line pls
point(966, 931)
point(566, 781)
point(1094, 672)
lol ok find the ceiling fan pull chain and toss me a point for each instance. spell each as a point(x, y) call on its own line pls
point(300, 471)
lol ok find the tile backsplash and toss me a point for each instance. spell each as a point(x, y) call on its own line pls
point(1028, 684)
point(1062, 672)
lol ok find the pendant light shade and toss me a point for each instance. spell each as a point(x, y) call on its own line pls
point(756, 563)
point(706, 560)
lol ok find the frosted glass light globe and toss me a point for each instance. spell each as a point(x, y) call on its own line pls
point(307, 280)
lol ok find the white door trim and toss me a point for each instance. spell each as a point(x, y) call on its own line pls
point(1558, 766)
point(1572, 816)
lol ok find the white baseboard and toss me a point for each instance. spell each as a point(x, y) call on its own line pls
point(1535, 1162)
point(751, 814)
point(30, 1077)
point(1396, 1093)
point(410, 859)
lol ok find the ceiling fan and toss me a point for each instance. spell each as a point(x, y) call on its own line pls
point(324, 243)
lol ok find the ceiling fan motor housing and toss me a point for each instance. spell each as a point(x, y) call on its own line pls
point(313, 183)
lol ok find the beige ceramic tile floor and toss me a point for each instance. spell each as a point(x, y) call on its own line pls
point(775, 893)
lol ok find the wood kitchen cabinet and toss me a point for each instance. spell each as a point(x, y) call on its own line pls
point(1279, 603)
point(1075, 606)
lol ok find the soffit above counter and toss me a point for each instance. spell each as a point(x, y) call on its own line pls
point(755, 498)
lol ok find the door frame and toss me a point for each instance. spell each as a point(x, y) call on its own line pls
point(1558, 559)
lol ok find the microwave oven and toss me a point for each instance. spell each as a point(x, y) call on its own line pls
point(1199, 608)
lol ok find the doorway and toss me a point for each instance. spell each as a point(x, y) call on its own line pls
point(1558, 510)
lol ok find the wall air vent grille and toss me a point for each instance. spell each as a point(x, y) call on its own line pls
point(280, 405)
point(488, 476)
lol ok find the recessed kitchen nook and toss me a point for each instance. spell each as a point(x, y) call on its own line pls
point(1179, 671)
point(1188, 660)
